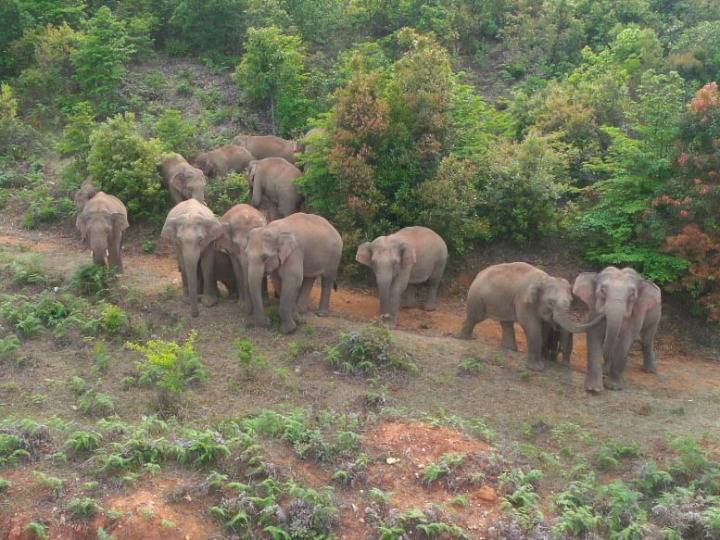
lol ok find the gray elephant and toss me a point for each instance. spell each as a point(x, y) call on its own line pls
point(632, 309)
point(87, 191)
point(519, 292)
point(402, 261)
point(297, 249)
point(182, 179)
point(223, 272)
point(272, 183)
point(102, 223)
point(265, 146)
point(238, 222)
point(221, 161)
point(193, 229)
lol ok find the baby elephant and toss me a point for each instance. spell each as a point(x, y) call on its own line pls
point(102, 222)
point(221, 161)
point(222, 273)
point(401, 261)
point(297, 249)
point(519, 292)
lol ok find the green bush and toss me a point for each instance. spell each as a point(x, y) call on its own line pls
point(94, 280)
point(175, 132)
point(125, 165)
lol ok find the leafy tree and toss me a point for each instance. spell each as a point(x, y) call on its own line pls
point(205, 25)
point(125, 165)
point(272, 74)
point(100, 58)
point(175, 132)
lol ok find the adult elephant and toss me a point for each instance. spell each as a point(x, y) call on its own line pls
point(297, 250)
point(238, 222)
point(401, 261)
point(519, 292)
point(102, 223)
point(182, 179)
point(265, 146)
point(272, 183)
point(221, 161)
point(193, 229)
point(632, 309)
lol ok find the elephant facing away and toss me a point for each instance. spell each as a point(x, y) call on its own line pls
point(272, 183)
point(297, 250)
point(632, 309)
point(87, 191)
point(519, 292)
point(402, 261)
point(193, 229)
point(221, 161)
point(102, 223)
point(238, 222)
point(265, 146)
point(182, 179)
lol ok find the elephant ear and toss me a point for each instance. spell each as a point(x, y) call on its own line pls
point(214, 230)
point(408, 257)
point(532, 293)
point(120, 222)
point(649, 296)
point(224, 241)
point(584, 288)
point(364, 254)
point(81, 224)
point(177, 182)
point(170, 228)
point(286, 245)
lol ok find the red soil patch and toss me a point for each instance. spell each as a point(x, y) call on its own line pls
point(404, 449)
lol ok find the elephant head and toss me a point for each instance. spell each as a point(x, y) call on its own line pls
point(392, 262)
point(552, 297)
point(192, 235)
point(619, 295)
point(204, 163)
point(267, 249)
point(97, 228)
point(190, 182)
point(86, 192)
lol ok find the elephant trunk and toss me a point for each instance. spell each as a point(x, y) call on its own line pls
point(615, 313)
point(190, 265)
point(255, 274)
point(562, 318)
point(384, 284)
point(98, 245)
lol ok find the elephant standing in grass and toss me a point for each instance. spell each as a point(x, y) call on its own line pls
point(273, 188)
point(193, 229)
point(632, 309)
point(102, 223)
point(519, 292)
point(238, 222)
point(182, 179)
point(401, 262)
point(221, 161)
point(265, 146)
point(297, 249)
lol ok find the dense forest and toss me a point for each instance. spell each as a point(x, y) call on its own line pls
point(595, 123)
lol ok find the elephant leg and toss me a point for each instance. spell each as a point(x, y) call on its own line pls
point(550, 343)
point(615, 379)
point(594, 375)
point(534, 335)
point(473, 316)
point(433, 286)
point(210, 291)
point(183, 275)
point(409, 299)
point(508, 335)
point(648, 345)
point(115, 251)
point(566, 345)
point(303, 300)
point(240, 281)
point(327, 283)
point(288, 303)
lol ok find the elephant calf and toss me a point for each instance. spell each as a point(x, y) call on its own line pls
point(221, 161)
point(102, 223)
point(182, 179)
point(297, 249)
point(272, 183)
point(519, 292)
point(266, 146)
point(401, 261)
point(632, 309)
point(193, 229)
point(222, 273)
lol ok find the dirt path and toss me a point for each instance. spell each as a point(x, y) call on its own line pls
point(680, 366)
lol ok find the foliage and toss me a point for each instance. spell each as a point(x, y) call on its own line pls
point(175, 132)
point(250, 361)
point(368, 351)
point(94, 280)
point(125, 165)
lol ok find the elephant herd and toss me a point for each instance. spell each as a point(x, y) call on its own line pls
point(270, 238)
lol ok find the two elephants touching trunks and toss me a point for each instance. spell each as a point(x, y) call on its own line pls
point(623, 307)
